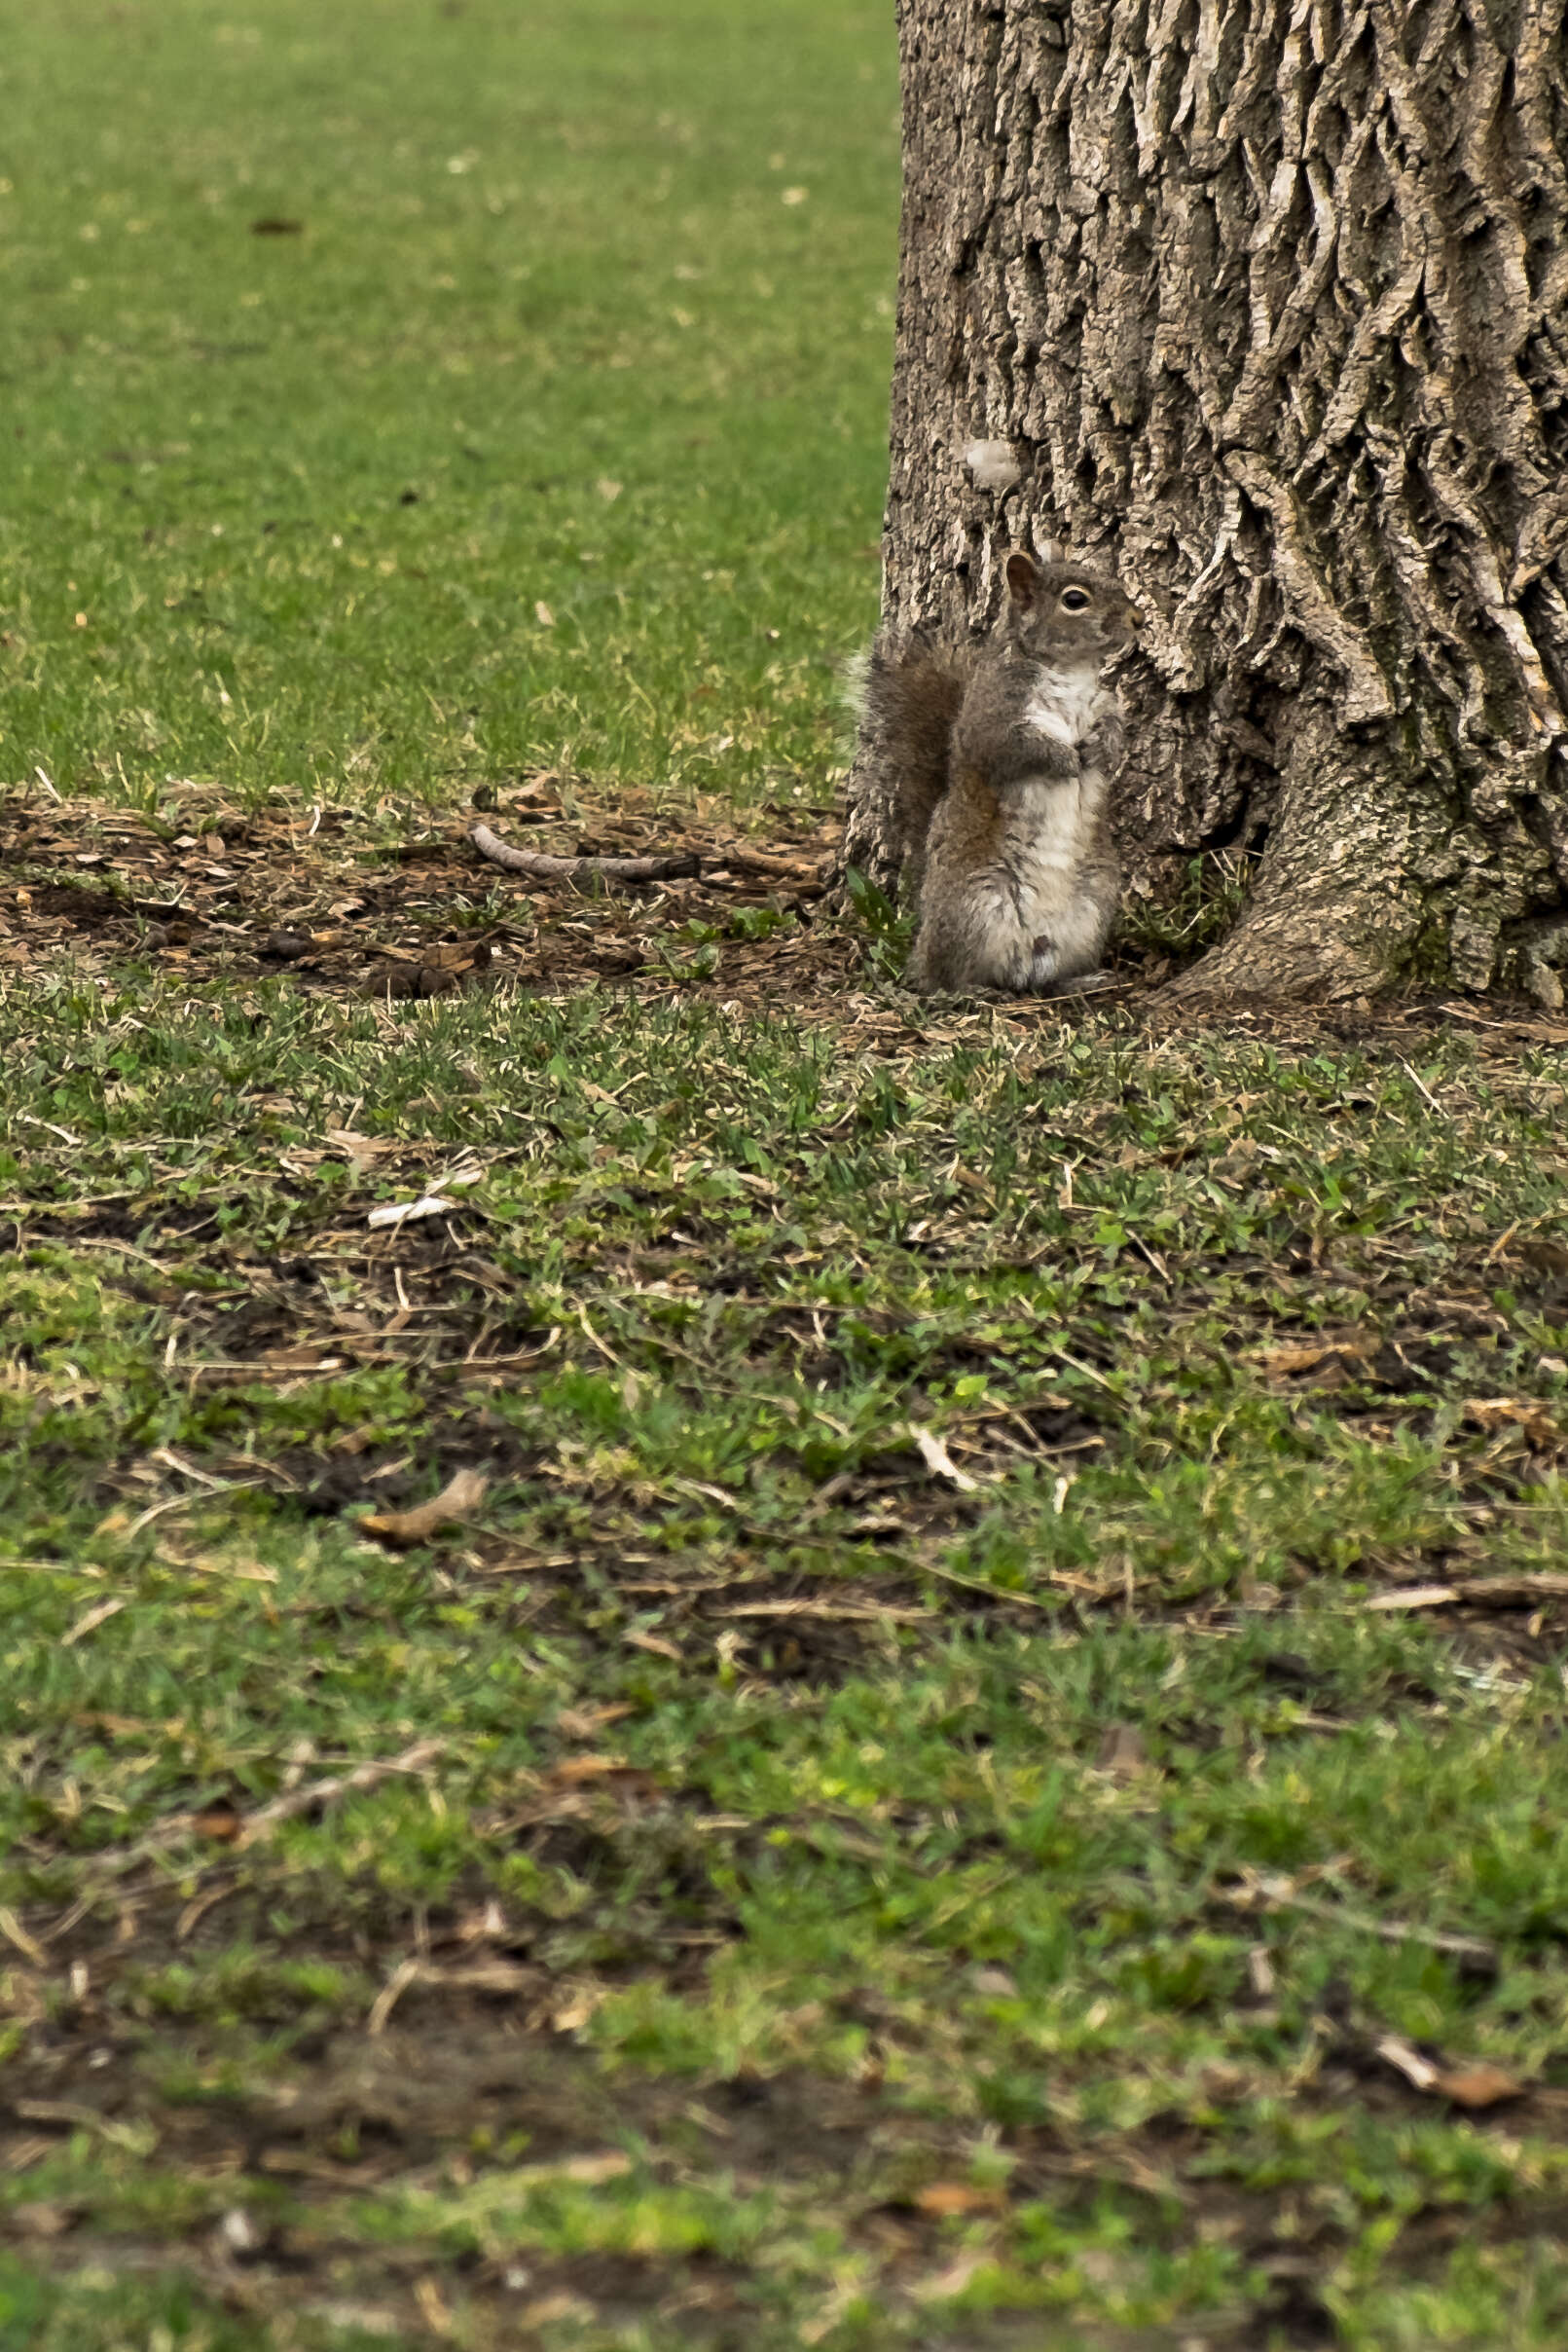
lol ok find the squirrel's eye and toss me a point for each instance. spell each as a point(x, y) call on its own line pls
point(1074, 599)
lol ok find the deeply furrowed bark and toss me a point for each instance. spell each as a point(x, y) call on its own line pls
point(1271, 302)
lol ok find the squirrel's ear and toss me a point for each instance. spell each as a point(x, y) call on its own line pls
point(1023, 580)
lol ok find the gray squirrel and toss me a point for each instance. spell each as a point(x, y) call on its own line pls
point(996, 759)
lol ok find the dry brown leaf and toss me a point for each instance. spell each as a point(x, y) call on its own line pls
point(943, 2199)
point(221, 1823)
point(995, 1982)
point(1407, 2060)
point(12, 1928)
point(552, 2307)
point(458, 1498)
point(942, 2285)
point(1523, 1412)
point(362, 1150)
point(1478, 2085)
point(656, 1642)
point(581, 1722)
point(571, 2018)
point(1123, 1753)
point(1481, 2086)
point(590, 2172)
point(586, 1768)
point(1305, 1356)
point(1417, 1597)
point(408, 1212)
point(42, 2219)
point(432, 2308)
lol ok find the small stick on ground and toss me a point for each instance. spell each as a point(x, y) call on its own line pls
point(484, 1977)
point(1476, 1592)
point(663, 867)
point(804, 872)
point(261, 1823)
point(1271, 1893)
point(296, 1801)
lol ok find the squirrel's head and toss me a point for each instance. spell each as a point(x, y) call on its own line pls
point(1067, 612)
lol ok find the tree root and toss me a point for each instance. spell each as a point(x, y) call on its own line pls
point(1303, 949)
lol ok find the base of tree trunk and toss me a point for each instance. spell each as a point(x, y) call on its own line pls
point(1274, 325)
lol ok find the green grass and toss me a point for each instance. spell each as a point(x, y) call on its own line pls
point(546, 285)
point(844, 1900)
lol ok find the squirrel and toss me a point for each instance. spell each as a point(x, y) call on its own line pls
point(999, 755)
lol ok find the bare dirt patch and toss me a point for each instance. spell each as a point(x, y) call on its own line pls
point(327, 897)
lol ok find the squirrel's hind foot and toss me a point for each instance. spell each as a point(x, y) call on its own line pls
point(1083, 983)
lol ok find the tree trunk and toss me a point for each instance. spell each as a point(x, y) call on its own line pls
point(1269, 305)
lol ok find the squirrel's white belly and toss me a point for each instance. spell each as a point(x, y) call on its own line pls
point(1043, 920)
point(1067, 704)
point(1052, 837)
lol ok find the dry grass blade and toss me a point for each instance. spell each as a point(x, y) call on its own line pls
point(93, 1618)
point(12, 1928)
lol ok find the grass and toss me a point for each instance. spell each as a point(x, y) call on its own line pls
point(902, 1815)
point(546, 333)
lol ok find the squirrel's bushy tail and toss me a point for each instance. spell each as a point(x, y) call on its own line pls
point(908, 691)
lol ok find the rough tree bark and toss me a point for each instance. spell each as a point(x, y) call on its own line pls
point(1270, 298)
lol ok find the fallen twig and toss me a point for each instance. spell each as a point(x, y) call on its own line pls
point(1477, 2084)
point(295, 1800)
point(136, 2139)
point(1477, 1592)
point(939, 1462)
point(804, 872)
point(843, 1613)
point(482, 1976)
point(1270, 1891)
point(657, 869)
point(286, 1808)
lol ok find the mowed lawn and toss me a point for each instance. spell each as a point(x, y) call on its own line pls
point(968, 1753)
